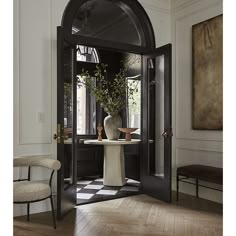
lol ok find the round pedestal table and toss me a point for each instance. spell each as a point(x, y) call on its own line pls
point(114, 166)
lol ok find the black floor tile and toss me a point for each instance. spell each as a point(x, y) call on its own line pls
point(97, 183)
point(81, 185)
point(84, 190)
point(103, 197)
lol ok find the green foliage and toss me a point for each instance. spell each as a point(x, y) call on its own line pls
point(134, 107)
point(112, 95)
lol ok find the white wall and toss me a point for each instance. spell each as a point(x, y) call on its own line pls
point(35, 84)
point(191, 146)
point(159, 14)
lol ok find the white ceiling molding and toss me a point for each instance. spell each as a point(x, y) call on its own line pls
point(157, 5)
point(177, 5)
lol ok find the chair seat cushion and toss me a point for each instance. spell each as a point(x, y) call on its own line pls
point(26, 191)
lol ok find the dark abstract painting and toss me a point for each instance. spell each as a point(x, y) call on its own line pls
point(207, 71)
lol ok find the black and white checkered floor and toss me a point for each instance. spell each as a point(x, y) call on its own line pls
point(92, 190)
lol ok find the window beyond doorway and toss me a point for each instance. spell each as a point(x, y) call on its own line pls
point(87, 54)
point(86, 104)
point(134, 108)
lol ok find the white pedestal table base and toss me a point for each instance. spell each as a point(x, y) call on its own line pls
point(114, 166)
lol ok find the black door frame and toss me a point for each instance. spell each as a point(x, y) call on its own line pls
point(131, 7)
point(138, 14)
point(153, 185)
point(65, 195)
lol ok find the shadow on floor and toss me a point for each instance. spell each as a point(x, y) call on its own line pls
point(192, 202)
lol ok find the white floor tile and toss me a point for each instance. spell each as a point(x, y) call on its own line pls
point(84, 195)
point(99, 179)
point(133, 181)
point(94, 186)
point(129, 188)
point(84, 181)
point(107, 192)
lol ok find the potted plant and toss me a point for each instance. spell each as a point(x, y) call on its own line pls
point(112, 94)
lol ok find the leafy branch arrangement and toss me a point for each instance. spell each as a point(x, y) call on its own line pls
point(112, 95)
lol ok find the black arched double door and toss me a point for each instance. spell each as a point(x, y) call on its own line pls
point(122, 26)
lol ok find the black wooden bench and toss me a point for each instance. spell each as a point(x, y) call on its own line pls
point(199, 172)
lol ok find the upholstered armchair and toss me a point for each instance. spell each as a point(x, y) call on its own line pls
point(26, 191)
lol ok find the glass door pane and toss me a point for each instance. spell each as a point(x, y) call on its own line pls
point(157, 92)
point(156, 128)
point(105, 19)
point(66, 126)
point(68, 116)
point(134, 106)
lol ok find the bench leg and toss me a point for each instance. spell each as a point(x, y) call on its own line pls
point(197, 188)
point(28, 211)
point(177, 187)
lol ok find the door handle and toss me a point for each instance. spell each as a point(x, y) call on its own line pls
point(55, 136)
point(58, 136)
point(165, 134)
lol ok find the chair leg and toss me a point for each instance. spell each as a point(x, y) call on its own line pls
point(53, 213)
point(197, 188)
point(177, 187)
point(28, 211)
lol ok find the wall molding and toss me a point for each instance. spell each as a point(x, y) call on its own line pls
point(196, 10)
point(200, 145)
point(18, 112)
point(163, 6)
point(16, 73)
point(51, 76)
point(189, 134)
point(178, 5)
point(194, 139)
point(195, 150)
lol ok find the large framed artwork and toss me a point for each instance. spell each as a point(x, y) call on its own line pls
point(207, 73)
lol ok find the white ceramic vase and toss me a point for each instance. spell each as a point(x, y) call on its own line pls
point(111, 123)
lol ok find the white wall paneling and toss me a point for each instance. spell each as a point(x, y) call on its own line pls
point(184, 74)
point(35, 84)
point(190, 146)
point(35, 72)
point(186, 156)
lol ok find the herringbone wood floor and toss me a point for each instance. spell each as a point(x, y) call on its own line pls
point(136, 215)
